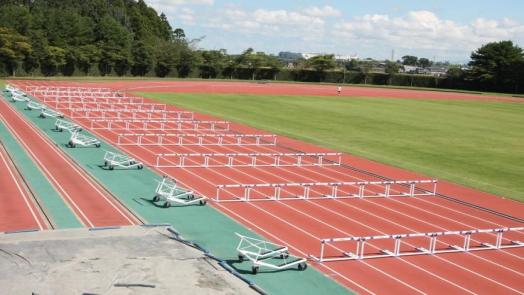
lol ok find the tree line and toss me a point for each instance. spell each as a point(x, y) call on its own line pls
point(127, 37)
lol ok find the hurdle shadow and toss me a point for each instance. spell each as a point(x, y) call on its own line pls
point(103, 167)
point(234, 264)
point(149, 201)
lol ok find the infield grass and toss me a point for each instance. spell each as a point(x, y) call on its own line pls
point(476, 143)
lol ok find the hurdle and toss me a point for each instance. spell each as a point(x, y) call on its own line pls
point(45, 112)
point(163, 139)
point(324, 190)
point(130, 114)
point(416, 244)
point(267, 254)
point(19, 97)
point(69, 101)
point(33, 105)
point(116, 106)
point(112, 160)
point(160, 125)
point(61, 125)
point(193, 160)
point(168, 190)
point(83, 140)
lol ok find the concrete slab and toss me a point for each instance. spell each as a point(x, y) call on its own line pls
point(130, 260)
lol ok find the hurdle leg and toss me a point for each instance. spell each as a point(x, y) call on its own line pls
point(361, 190)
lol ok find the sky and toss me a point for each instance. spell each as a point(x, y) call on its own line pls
point(441, 30)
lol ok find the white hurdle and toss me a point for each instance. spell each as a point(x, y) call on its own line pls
point(112, 160)
point(19, 97)
point(200, 139)
point(61, 125)
point(114, 114)
point(324, 190)
point(66, 102)
point(267, 254)
point(33, 105)
point(160, 125)
point(334, 249)
point(83, 140)
point(192, 160)
point(110, 106)
point(45, 112)
point(168, 190)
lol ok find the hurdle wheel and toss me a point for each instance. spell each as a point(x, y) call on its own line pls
point(140, 167)
point(97, 145)
point(254, 270)
point(202, 202)
point(105, 163)
point(111, 167)
point(240, 258)
point(156, 198)
point(190, 197)
point(302, 266)
point(42, 116)
point(167, 204)
point(60, 129)
point(284, 255)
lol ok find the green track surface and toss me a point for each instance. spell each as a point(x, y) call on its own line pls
point(476, 143)
point(57, 211)
point(201, 224)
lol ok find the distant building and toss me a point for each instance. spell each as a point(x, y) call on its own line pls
point(340, 57)
point(337, 57)
point(410, 69)
point(310, 55)
point(438, 71)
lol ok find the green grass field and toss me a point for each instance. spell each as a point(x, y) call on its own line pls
point(479, 144)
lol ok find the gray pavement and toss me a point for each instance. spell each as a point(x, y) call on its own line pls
point(130, 260)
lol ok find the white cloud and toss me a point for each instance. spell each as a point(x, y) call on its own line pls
point(425, 30)
point(325, 11)
point(278, 23)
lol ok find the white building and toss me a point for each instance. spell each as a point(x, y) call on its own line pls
point(339, 57)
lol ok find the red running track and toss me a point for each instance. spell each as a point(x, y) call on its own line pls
point(18, 210)
point(92, 205)
point(295, 89)
point(301, 224)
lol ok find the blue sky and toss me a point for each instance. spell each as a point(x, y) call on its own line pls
point(440, 30)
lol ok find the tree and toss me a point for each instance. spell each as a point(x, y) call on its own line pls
point(179, 34)
point(409, 60)
point(86, 56)
point(68, 68)
point(14, 48)
point(391, 69)
point(213, 62)
point(53, 59)
point(322, 62)
point(166, 58)
point(424, 62)
point(142, 58)
point(493, 65)
point(365, 68)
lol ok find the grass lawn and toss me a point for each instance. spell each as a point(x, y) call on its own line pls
point(479, 144)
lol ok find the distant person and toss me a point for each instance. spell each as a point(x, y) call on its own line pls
point(339, 90)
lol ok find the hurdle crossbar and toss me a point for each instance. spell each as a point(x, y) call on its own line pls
point(191, 160)
point(323, 190)
point(195, 139)
point(130, 114)
point(58, 100)
point(430, 239)
point(159, 125)
point(109, 106)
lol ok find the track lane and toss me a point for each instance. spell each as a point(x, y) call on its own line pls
point(261, 176)
point(18, 211)
point(91, 205)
